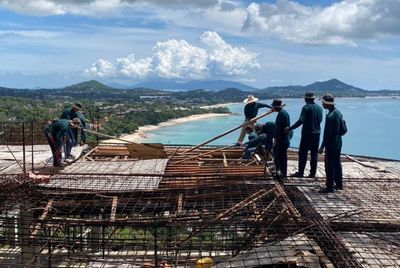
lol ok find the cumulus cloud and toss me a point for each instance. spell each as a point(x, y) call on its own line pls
point(225, 59)
point(178, 59)
point(343, 22)
point(101, 68)
point(131, 68)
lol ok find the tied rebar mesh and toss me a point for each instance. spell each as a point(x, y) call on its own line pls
point(109, 210)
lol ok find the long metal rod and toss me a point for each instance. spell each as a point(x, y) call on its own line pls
point(115, 138)
point(23, 148)
point(230, 131)
point(32, 141)
point(203, 154)
point(108, 136)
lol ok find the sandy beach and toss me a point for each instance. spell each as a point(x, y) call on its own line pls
point(217, 105)
point(140, 136)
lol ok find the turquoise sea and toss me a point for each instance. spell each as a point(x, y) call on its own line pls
point(373, 126)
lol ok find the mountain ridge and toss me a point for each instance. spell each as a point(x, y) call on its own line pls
point(94, 89)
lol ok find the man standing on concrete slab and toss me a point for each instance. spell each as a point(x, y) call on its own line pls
point(310, 118)
point(281, 138)
point(70, 114)
point(332, 142)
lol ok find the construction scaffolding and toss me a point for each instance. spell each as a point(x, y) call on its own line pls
point(205, 207)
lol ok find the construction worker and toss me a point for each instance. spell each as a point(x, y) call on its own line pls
point(264, 136)
point(70, 114)
point(332, 142)
point(250, 112)
point(55, 132)
point(310, 118)
point(281, 139)
point(75, 131)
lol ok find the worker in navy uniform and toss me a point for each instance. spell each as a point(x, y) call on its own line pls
point(281, 138)
point(75, 131)
point(332, 142)
point(265, 133)
point(70, 114)
point(310, 118)
point(250, 111)
point(55, 133)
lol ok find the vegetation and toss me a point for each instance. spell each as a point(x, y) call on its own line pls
point(112, 117)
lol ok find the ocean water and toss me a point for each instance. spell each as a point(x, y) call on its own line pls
point(373, 126)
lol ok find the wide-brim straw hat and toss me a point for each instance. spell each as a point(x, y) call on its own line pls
point(250, 99)
point(328, 99)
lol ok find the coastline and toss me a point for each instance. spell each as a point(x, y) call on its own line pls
point(141, 135)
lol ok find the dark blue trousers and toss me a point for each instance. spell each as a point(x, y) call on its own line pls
point(333, 168)
point(280, 157)
point(70, 143)
point(309, 142)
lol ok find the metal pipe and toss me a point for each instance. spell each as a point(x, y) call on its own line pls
point(23, 149)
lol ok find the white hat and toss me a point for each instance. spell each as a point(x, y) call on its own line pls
point(250, 99)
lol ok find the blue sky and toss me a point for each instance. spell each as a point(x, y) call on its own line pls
point(53, 43)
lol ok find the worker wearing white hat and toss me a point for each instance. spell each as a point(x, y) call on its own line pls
point(250, 111)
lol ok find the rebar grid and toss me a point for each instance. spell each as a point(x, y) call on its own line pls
point(119, 212)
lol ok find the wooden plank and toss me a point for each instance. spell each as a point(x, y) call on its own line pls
point(180, 203)
point(38, 226)
point(146, 151)
point(114, 208)
point(224, 160)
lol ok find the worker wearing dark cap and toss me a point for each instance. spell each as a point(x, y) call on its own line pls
point(332, 142)
point(310, 118)
point(281, 138)
point(70, 114)
point(55, 132)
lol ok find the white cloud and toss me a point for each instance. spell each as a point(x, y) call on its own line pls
point(227, 60)
point(177, 59)
point(30, 34)
point(343, 22)
point(94, 7)
point(180, 60)
point(101, 68)
point(37, 7)
point(129, 67)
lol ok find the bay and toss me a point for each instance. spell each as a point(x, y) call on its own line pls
point(373, 126)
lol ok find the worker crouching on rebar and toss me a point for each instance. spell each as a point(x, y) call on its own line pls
point(262, 142)
point(55, 133)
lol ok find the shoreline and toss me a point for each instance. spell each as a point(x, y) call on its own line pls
point(141, 135)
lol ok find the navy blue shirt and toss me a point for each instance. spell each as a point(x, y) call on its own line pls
point(332, 139)
point(282, 121)
point(59, 129)
point(69, 114)
point(310, 118)
point(251, 109)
